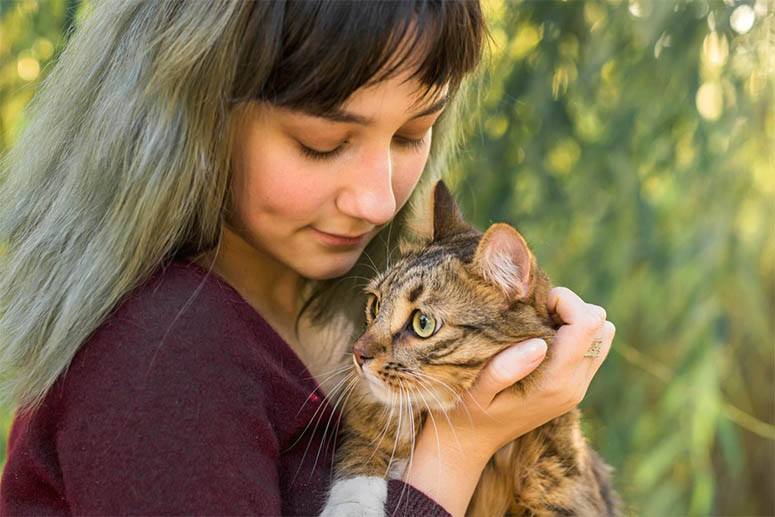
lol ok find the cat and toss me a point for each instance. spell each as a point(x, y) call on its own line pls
point(434, 319)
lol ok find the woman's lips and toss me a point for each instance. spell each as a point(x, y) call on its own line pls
point(333, 239)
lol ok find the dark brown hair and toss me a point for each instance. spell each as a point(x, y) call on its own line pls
point(322, 51)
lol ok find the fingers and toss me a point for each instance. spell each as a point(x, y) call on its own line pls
point(605, 336)
point(506, 368)
point(573, 310)
point(583, 321)
point(587, 367)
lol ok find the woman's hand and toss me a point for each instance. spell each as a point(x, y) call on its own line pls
point(456, 447)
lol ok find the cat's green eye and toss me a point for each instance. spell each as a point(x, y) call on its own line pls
point(375, 307)
point(424, 325)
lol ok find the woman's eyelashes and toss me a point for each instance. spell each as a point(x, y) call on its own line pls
point(414, 144)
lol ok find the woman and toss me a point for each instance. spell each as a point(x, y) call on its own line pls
point(187, 215)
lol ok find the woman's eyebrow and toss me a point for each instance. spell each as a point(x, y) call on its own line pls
point(340, 115)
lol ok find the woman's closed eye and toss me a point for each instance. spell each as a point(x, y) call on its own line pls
point(404, 142)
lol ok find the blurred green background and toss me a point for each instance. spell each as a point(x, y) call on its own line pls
point(633, 144)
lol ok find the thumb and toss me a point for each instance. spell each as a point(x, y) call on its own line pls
point(506, 368)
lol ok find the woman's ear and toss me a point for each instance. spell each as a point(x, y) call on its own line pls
point(504, 259)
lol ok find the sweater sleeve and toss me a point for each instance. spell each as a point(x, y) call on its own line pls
point(165, 424)
point(404, 499)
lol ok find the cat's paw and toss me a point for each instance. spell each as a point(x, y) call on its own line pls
point(357, 497)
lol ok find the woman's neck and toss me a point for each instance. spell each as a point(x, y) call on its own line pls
point(270, 287)
point(275, 292)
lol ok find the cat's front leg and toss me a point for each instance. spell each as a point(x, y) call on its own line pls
point(357, 496)
point(368, 454)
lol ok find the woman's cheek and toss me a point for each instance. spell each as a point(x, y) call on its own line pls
point(409, 175)
point(283, 186)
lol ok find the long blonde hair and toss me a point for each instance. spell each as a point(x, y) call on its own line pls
point(123, 164)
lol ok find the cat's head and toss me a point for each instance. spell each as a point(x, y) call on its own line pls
point(437, 315)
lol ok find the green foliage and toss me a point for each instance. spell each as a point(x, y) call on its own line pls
point(31, 35)
point(633, 143)
point(651, 197)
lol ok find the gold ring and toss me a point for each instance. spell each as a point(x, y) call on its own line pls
point(594, 349)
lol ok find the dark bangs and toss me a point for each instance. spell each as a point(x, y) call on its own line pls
point(313, 54)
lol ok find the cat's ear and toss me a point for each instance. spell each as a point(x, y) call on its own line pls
point(504, 259)
point(447, 219)
point(432, 221)
point(407, 245)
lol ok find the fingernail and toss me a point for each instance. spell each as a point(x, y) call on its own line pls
point(526, 353)
point(534, 349)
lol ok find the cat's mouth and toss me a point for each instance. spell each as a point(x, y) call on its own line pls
point(379, 389)
point(408, 391)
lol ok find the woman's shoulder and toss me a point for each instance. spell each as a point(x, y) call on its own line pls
point(177, 308)
point(173, 392)
point(183, 314)
point(182, 329)
point(180, 323)
point(183, 297)
point(181, 374)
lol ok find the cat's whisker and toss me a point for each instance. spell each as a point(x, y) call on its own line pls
point(337, 369)
point(361, 285)
point(387, 247)
point(385, 409)
point(328, 378)
point(370, 267)
point(411, 445)
point(430, 391)
point(343, 399)
point(458, 396)
point(443, 411)
point(423, 387)
point(318, 413)
point(338, 422)
point(357, 277)
point(398, 432)
point(342, 396)
point(455, 395)
point(385, 429)
point(316, 417)
point(309, 397)
point(420, 389)
point(420, 375)
point(413, 429)
point(373, 265)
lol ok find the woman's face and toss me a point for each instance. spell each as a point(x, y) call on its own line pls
point(299, 179)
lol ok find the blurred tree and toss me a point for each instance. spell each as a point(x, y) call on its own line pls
point(633, 143)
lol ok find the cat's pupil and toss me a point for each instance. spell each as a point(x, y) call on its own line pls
point(423, 321)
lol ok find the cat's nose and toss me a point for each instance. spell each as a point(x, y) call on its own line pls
point(361, 357)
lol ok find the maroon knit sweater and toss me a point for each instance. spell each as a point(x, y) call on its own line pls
point(184, 401)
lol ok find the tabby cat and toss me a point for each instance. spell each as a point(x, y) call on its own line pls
point(434, 319)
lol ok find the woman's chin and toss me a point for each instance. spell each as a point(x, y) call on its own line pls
point(328, 268)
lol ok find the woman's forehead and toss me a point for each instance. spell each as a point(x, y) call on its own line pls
point(333, 50)
point(419, 99)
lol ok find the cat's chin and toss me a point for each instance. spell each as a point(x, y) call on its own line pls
point(388, 397)
point(377, 388)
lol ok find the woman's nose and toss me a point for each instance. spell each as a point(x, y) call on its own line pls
point(369, 192)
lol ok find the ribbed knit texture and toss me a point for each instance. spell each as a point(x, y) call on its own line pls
point(184, 401)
